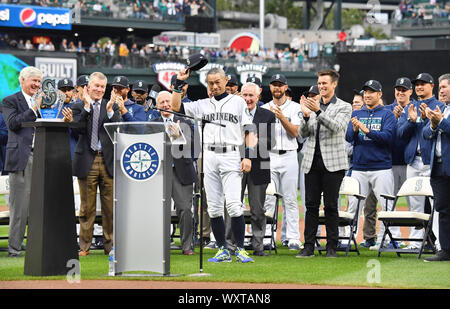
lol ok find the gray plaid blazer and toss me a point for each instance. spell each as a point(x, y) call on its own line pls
point(333, 125)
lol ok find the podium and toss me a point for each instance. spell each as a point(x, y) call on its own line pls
point(52, 238)
point(142, 198)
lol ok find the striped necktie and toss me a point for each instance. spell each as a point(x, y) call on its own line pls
point(94, 136)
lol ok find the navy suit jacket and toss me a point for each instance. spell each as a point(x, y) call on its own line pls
point(264, 120)
point(84, 156)
point(15, 112)
point(184, 167)
point(444, 128)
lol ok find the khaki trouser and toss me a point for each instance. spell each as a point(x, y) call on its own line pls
point(97, 177)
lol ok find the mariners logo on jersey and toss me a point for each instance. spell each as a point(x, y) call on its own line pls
point(140, 161)
point(373, 124)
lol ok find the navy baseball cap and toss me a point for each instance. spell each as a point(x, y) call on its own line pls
point(65, 83)
point(373, 85)
point(254, 79)
point(121, 81)
point(278, 78)
point(314, 89)
point(358, 92)
point(424, 77)
point(82, 80)
point(232, 79)
point(173, 80)
point(139, 85)
point(196, 62)
point(404, 82)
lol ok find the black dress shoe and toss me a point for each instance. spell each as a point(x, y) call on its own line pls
point(331, 253)
point(260, 253)
point(305, 253)
point(439, 257)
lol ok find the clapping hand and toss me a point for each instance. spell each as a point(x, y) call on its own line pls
point(305, 110)
point(67, 113)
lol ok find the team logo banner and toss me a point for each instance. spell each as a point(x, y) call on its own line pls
point(251, 70)
point(165, 71)
point(57, 68)
point(202, 72)
point(35, 17)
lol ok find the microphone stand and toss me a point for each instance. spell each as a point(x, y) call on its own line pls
point(201, 180)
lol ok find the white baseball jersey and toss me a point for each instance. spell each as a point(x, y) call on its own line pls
point(292, 111)
point(231, 111)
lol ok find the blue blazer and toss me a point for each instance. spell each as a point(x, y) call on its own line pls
point(16, 111)
point(428, 134)
point(412, 132)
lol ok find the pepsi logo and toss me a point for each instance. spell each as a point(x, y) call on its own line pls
point(28, 17)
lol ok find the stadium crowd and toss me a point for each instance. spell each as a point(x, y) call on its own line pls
point(381, 146)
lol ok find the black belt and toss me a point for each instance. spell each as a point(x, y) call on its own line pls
point(438, 159)
point(281, 152)
point(222, 149)
point(98, 152)
point(418, 154)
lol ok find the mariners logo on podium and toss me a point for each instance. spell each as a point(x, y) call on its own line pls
point(140, 161)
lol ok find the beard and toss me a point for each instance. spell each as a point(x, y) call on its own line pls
point(278, 94)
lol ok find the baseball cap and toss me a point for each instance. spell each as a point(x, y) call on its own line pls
point(196, 62)
point(254, 79)
point(121, 81)
point(373, 85)
point(140, 85)
point(314, 89)
point(65, 83)
point(278, 78)
point(358, 92)
point(403, 82)
point(173, 80)
point(82, 80)
point(232, 79)
point(424, 77)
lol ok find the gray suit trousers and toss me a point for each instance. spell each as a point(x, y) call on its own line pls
point(19, 203)
point(182, 198)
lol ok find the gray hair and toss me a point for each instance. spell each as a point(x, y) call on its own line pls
point(160, 94)
point(445, 76)
point(217, 70)
point(250, 84)
point(28, 72)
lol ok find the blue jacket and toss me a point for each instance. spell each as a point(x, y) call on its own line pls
point(398, 145)
point(73, 136)
point(411, 133)
point(444, 128)
point(136, 112)
point(373, 151)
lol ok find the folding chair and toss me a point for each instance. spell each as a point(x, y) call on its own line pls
point(415, 186)
point(271, 218)
point(4, 189)
point(349, 187)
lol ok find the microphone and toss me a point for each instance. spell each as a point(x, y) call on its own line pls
point(151, 102)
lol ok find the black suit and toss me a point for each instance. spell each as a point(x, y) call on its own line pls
point(84, 156)
point(18, 162)
point(184, 176)
point(94, 169)
point(259, 177)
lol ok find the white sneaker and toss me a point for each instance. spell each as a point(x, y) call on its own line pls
point(376, 247)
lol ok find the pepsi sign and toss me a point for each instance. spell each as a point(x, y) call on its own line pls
point(35, 17)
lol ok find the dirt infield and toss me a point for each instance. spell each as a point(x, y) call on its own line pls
point(139, 284)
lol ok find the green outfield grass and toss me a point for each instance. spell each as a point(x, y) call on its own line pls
point(366, 270)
